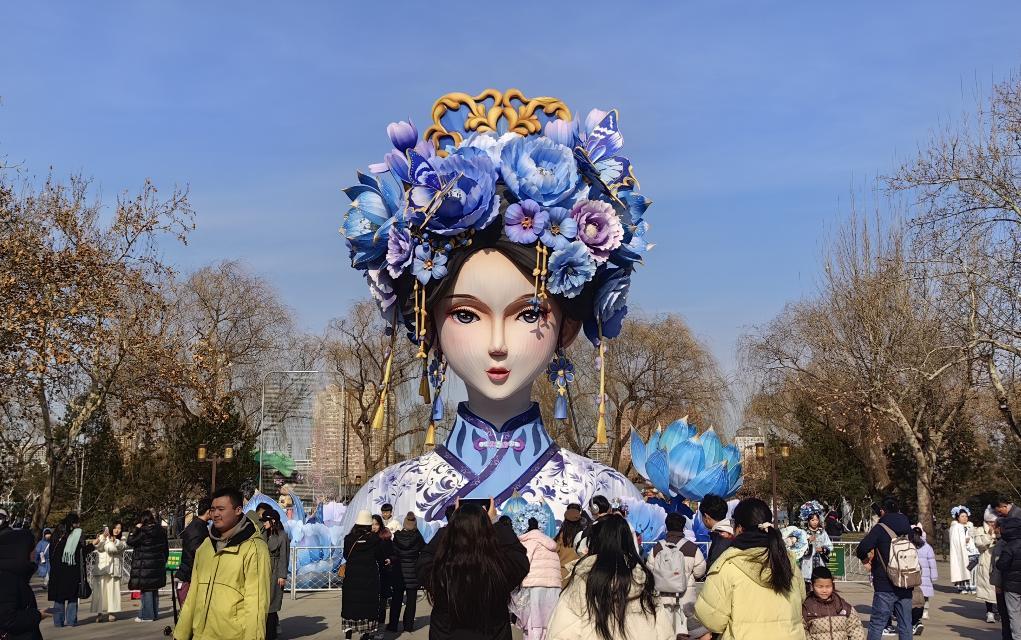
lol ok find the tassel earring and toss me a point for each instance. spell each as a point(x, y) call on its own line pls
point(601, 425)
point(437, 376)
point(560, 372)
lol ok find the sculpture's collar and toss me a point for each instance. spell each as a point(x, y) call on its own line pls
point(529, 416)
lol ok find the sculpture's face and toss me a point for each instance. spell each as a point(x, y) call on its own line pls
point(491, 335)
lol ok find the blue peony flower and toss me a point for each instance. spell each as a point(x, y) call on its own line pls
point(561, 229)
point(570, 269)
point(428, 265)
point(454, 194)
point(634, 244)
point(374, 205)
point(679, 461)
point(539, 169)
point(524, 221)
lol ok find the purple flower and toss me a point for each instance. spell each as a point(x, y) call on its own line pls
point(598, 227)
point(561, 228)
point(427, 265)
point(381, 287)
point(400, 251)
point(403, 135)
point(570, 269)
point(524, 221)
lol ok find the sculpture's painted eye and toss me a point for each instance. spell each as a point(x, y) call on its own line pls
point(464, 316)
point(532, 315)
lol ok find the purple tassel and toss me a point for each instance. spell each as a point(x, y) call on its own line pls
point(438, 407)
point(560, 407)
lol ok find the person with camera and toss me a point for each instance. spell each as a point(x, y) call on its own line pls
point(106, 574)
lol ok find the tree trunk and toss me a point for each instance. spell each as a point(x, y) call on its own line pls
point(876, 468)
point(45, 503)
point(922, 484)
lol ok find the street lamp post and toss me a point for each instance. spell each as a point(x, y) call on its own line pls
point(761, 454)
point(203, 456)
point(262, 414)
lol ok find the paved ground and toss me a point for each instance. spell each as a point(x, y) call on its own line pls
point(316, 616)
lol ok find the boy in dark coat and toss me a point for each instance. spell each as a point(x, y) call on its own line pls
point(1009, 567)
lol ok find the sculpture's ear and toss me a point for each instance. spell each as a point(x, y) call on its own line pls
point(570, 331)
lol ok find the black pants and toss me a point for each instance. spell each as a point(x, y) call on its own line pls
point(410, 597)
point(272, 620)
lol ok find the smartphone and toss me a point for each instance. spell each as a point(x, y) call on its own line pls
point(482, 502)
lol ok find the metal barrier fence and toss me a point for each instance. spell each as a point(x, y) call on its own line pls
point(93, 557)
point(314, 569)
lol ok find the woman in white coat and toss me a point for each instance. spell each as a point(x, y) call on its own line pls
point(963, 552)
point(106, 574)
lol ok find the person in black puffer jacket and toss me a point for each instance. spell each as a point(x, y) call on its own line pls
point(408, 544)
point(148, 564)
point(1009, 566)
point(19, 615)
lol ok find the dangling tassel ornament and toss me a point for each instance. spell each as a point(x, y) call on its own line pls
point(601, 425)
point(437, 376)
point(377, 420)
point(423, 385)
point(560, 371)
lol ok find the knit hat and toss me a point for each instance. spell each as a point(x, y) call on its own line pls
point(989, 515)
point(364, 518)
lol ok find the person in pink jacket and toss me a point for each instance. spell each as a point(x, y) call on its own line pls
point(534, 602)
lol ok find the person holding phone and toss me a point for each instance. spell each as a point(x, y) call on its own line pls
point(106, 574)
point(469, 571)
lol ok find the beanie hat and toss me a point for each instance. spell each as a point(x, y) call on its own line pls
point(364, 518)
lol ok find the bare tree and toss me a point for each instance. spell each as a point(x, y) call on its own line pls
point(80, 302)
point(967, 231)
point(356, 351)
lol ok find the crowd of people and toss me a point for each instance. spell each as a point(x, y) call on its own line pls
point(591, 581)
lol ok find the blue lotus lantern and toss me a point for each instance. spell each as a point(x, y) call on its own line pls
point(679, 461)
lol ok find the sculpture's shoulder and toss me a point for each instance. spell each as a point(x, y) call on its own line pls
point(569, 477)
point(420, 484)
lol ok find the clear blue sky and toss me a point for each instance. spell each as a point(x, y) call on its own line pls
point(748, 122)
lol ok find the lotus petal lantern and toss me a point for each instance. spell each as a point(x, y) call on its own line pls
point(679, 461)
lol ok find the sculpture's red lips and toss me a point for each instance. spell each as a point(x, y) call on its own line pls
point(497, 374)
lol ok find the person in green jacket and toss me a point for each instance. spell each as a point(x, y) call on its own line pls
point(753, 590)
point(229, 594)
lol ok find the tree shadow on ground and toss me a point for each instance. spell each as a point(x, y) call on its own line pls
point(303, 626)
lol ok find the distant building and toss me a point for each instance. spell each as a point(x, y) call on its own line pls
point(745, 440)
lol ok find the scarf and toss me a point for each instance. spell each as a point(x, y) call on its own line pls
point(71, 546)
point(751, 540)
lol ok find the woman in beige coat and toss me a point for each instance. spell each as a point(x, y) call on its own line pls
point(106, 574)
point(984, 538)
point(611, 593)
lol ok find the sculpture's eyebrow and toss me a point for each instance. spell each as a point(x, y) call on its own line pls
point(464, 298)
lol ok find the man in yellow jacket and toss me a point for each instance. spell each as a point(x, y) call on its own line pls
point(229, 595)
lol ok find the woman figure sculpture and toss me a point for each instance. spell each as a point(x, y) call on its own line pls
point(494, 244)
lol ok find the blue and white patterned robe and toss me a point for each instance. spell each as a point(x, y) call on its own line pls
point(478, 461)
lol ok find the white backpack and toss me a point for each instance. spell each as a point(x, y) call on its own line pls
point(670, 569)
point(902, 565)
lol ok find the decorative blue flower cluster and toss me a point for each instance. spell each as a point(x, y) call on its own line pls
point(680, 461)
point(564, 191)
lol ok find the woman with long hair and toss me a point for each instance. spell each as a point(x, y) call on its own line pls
point(279, 555)
point(360, 596)
point(469, 570)
point(575, 521)
point(611, 593)
point(67, 559)
point(106, 574)
point(753, 590)
point(387, 564)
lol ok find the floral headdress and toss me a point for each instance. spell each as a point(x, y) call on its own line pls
point(809, 509)
point(499, 163)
